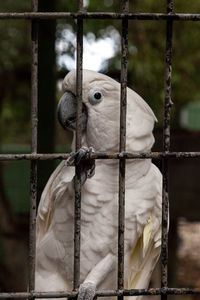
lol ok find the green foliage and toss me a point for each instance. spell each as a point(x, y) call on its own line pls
point(14, 37)
point(15, 6)
point(146, 65)
point(17, 185)
point(16, 179)
point(15, 75)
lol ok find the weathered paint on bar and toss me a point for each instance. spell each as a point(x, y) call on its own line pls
point(122, 147)
point(77, 181)
point(166, 148)
point(101, 155)
point(101, 15)
point(108, 293)
point(34, 138)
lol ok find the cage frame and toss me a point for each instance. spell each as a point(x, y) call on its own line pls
point(125, 16)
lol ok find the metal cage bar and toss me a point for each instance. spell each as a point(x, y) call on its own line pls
point(166, 148)
point(169, 17)
point(34, 126)
point(77, 181)
point(101, 15)
point(103, 293)
point(101, 155)
point(122, 147)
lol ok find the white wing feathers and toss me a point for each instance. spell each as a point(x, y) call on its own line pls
point(99, 228)
point(51, 228)
point(145, 254)
point(57, 184)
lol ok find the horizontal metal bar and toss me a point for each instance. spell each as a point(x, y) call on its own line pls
point(101, 155)
point(101, 15)
point(103, 293)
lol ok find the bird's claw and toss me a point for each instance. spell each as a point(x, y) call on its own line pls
point(86, 291)
point(86, 167)
point(76, 157)
point(91, 170)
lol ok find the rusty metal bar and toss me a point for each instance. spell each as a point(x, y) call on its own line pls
point(101, 15)
point(34, 126)
point(101, 155)
point(122, 147)
point(103, 293)
point(166, 148)
point(77, 204)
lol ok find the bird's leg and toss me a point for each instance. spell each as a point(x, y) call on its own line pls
point(97, 274)
point(86, 167)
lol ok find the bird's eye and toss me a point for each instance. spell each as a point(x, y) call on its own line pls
point(95, 97)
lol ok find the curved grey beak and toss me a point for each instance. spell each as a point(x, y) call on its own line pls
point(67, 112)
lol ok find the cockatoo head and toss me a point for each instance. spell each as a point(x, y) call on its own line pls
point(101, 113)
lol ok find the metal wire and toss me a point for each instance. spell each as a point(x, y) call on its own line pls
point(122, 147)
point(77, 203)
point(166, 148)
point(169, 17)
point(101, 15)
point(103, 293)
point(34, 124)
point(101, 155)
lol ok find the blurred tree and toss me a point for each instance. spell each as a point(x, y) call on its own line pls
point(18, 114)
point(46, 92)
point(146, 67)
point(14, 68)
point(146, 58)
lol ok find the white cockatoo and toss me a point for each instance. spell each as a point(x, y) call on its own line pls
point(99, 206)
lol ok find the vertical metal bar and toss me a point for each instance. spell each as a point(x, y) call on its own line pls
point(77, 206)
point(34, 123)
point(122, 147)
point(166, 147)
